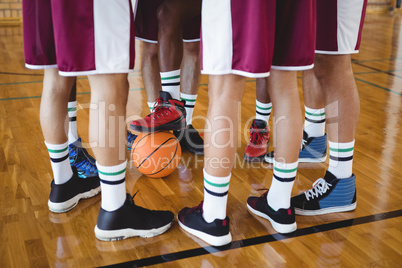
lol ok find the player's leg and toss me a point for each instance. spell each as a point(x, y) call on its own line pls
point(190, 138)
point(259, 130)
point(227, 70)
point(119, 217)
point(79, 157)
point(66, 188)
point(275, 204)
point(336, 192)
point(314, 147)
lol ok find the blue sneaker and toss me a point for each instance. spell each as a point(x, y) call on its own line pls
point(328, 195)
point(82, 160)
point(130, 139)
point(313, 150)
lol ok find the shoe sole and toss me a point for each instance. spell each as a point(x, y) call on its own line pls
point(216, 241)
point(270, 160)
point(115, 235)
point(177, 124)
point(325, 210)
point(70, 204)
point(279, 227)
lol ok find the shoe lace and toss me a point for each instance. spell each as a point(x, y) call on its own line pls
point(256, 136)
point(320, 187)
point(159, 109)
point(83, 160)
point(303, 144)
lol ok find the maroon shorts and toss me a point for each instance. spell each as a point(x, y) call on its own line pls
point(146, 23)
point(339, 26)
point(239, 37)
point(87, 36)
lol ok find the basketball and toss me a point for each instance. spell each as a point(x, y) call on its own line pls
point(156, 154)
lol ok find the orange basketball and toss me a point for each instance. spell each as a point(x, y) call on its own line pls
point(156, 154)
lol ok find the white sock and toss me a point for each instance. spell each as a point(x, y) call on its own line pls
point(314, 122)
point(171, 83)
point(72, 119)
point(341, 159)
point(215, 197)
point(263, 110)
point(190, 103)
point(113, 185)
point(151, 105)
point(60, 162)
point(282, 183)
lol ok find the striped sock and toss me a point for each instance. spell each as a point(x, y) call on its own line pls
point(282, 183)
point(341, 159)
point(171, 83)
point(314, 122)
point(215, 197)
point(263, 110)
point(190, 103)
point(113, 185)
point(60, 162)
point(151, 105)
point(72, 119)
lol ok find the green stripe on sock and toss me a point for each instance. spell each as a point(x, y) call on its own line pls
point(341, 150)
point(57, 151)
point(112, 173)
point(72, 109)
point(216, 184)
point(170, 77)
point(321, 114)
point(264, 108)
point(188, 100)
point(285, 170)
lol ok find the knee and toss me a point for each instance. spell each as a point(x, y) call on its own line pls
point(192, 49)
point(326, 66)
point(150, 51)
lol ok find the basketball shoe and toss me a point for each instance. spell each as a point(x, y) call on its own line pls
point(190, 140)
point(259, 141)
point(64, 197)
point(283, 220)
point(168, 114)
point(82, 160)
point(313, 150)
point(328, 195)
point(131, 220)
point(215, 233)
point(130, 139)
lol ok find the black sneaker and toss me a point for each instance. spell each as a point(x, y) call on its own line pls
point(283, 220)
point(130, 140)
point(190, 140)
point(64, 197)
point(328, 195)
point(215, 233)
point(131, 220)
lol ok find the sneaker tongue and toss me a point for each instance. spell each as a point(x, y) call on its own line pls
point(258, 123)
point(165, 95)
point(329, 177)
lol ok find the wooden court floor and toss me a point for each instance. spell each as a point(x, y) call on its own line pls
point(370, 236)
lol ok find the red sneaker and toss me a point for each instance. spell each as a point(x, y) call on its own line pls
point(259, 141)
point(168, 114)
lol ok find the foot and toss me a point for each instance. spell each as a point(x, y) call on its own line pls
point(328, 195)
point(215, 233)
point(283, 220)
point(313, 150)
point(64, 197)
point(130, 139)
point(82, 160)
point(131, 220)
point(259, 141)
point(190, 140)
point(168, 114)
